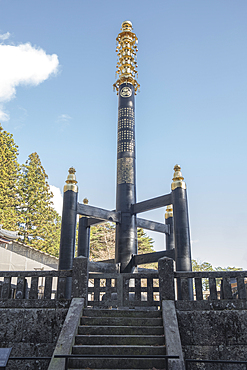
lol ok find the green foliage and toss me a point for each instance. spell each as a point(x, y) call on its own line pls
point(145, 243)
point(39, 222)
point(9, 171)
point(102, 242)
point(25, 198)
point(206, 266)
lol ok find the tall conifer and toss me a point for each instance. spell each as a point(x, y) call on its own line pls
point(9, 171)
point(39, 222)
point(102, 242)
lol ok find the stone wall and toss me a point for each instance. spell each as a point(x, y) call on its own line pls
point(214, 330)
point(31, 328)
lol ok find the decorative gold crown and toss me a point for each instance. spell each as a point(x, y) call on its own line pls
point(127, 63)
point(178, 178)
point(71, 181)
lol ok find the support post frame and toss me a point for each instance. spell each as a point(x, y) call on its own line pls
point(83, 237)
point(181, 229)
point(68, 228)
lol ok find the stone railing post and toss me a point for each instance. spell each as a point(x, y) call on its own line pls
point(80, 278)
point(166, 279)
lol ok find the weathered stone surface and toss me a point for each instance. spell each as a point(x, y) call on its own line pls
point(166, 278)
point(219, 334)
point(172, 336)
point(80, 278)
point(30, 332)
point(67, 334)
point(216, 305)
point(221, 352)
point(213, 327)
point(36, 324)
point(34, 303)
point(11, 325)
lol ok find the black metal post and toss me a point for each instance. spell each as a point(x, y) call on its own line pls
point(83, 237)
point(169, 221)
point(68, 227)
point(181, 228)
point(126, 86)
point(126, 231)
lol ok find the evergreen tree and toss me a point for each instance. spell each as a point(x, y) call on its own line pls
point(206, 266)
point(145, 243)
point(102, 242)
point(39, 222)
point(9, 171)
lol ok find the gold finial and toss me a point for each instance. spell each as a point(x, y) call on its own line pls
point(126, 51)
point(169, 211)
point(178, 178)
point(71, 181)
point(85, 201)
point(72, 170)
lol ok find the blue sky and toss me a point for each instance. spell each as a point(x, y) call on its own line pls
point(57, 99)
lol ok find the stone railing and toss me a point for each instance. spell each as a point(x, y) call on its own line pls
point(123, 290)
point(142, 289)
point(33, 284)
point(46, 285)
point(206, 285)
point(213, 285)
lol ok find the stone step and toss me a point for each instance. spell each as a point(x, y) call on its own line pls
point(94, 312)
point(119, 339)
point(124, 330)
point(117, 363)
point(118, 350)
point(122, 321)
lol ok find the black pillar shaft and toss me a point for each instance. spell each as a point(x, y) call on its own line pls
point(68, 228)
point(126, 232)
point(182, 235)
point(83, 238)
point(169, 237)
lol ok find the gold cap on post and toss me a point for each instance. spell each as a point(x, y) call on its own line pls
point(178, 178)
point(71, 181)
point(169, 211)
point(126, 51)
point(85, 201)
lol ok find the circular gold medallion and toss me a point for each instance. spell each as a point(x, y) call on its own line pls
point(126, 92)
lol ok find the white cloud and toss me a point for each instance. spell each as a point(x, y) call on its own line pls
point(4, 36)
point(63, 121)
point(22, 64)
point(3, 115)
point(64, 117)
point(57, 199)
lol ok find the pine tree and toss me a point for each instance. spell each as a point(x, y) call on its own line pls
point(9, 171)
point(102, 242)
point(145, 243)
point(39, 222)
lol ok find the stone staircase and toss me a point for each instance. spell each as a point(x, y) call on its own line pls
point(119, 332)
